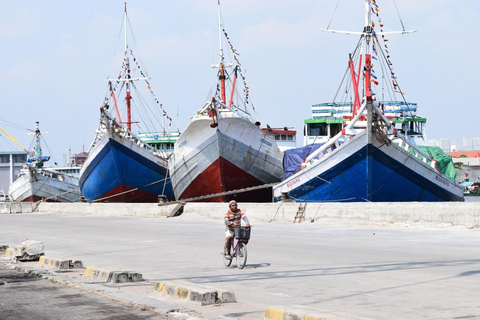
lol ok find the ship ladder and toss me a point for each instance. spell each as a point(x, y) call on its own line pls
point(300, 212)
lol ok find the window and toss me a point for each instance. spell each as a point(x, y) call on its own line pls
point(335, 128)
point(317, 129)
point(19, 158)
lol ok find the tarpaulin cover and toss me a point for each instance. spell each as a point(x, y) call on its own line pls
point(44, 158)
point(293, 158)
point(444, 161)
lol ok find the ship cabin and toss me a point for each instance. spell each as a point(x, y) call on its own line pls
point(160, 141)
point(328, 119)
point(286, 137)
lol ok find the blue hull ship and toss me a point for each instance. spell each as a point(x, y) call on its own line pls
point(367, 148)
point(124, 169)
point(121, 166)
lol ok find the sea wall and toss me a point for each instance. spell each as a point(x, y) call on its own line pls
point(442, 214)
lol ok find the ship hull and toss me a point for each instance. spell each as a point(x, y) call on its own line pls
point(119, 170)
point(45, 186)
point(360, 171)
point(234, 155)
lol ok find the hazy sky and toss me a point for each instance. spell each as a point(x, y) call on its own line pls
point(56, 56)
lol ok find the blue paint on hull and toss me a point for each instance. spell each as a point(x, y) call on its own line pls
point(116, 166)
point(371, 175)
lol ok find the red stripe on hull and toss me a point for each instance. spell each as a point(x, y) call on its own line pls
point(222, 176)
point(121, 194)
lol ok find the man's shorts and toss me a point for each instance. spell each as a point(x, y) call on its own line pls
point(229, 232)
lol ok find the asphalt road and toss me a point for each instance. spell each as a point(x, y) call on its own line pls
point(26, 297)
point(378, 272)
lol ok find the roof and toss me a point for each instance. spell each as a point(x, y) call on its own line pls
point(465, 154)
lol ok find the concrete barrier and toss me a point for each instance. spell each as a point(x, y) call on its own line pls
point(194, 293)
point(113, 276)
point(459, 214)
point(305, 313)
point(114, 209)
point(16, 207)
point(436, 213)
point(60, 264)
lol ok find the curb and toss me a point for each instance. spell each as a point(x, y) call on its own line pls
point(95, 273)
point(113, 276)
point(194, 293)
point(304, 313)
point(60, 264)
point(10, 252)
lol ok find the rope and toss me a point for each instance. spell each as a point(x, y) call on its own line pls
point(398, 12)
point(130, 190)
point(333, 14)
point(226, 193)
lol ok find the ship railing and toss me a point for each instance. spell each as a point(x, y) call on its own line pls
point(415, 151)
point(351, 129)
point(237, 111)
point(335, 142)
point(127, 134)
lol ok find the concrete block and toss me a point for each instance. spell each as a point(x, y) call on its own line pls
point(181, 293)
point(64, 264)
point(122, 277)
point(29, 250)
point(27, 207)
point(15, 207)
point(10, 252)
point(204, 298)
point(97, 274)
point(194, 293)
point(274, 313)
point(226, 296)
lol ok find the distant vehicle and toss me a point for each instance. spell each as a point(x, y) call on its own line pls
point(3, 197)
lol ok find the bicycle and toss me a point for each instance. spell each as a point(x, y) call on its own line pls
point(239, 249)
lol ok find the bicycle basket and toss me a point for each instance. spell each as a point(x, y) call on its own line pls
point(242, 233)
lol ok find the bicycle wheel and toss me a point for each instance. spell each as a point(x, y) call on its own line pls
point(241, 255)
point(227, 262)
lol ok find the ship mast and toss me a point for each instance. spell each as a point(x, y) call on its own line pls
point(221, 65)
point(368, 50)
point(127, 79)
point(128, 97)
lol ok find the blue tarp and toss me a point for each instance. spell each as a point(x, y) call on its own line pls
point(45, 158)
point(293, 158)
point(468, 183)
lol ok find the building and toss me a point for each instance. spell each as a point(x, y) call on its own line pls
point(446, 144)
point(469, 169)
point(11, 162)
point(286, 138)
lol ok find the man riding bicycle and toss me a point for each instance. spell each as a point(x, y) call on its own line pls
point(233, 219)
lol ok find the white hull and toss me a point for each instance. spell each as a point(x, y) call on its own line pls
point(38, 184)
point(235, 141)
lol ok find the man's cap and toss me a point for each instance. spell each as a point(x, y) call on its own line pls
point(232, 202)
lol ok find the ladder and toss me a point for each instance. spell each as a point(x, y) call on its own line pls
point(300, 212)
point(178, 210)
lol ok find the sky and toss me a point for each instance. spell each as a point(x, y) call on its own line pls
point(57, 55)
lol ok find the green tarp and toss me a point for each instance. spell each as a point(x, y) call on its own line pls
point(444, 161)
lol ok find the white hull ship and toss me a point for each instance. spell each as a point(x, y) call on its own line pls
point(222, 149)
point(36, 183)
